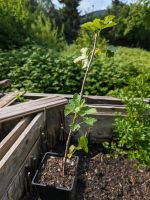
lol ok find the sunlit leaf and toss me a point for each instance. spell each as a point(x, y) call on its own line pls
point(74, 127)
point(83, 143)
point(89, 120)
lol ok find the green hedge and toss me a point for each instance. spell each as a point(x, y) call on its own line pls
point(38, 69)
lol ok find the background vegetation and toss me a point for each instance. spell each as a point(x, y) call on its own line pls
point(39, 44)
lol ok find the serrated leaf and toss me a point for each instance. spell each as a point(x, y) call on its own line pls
point(72, 149)
point(99, 24)
point(109, 18)
point(68, 110)
point(74, 127)
point(87, 111)
point(89, 120)
point(73, 105)
point(83, 143)
point(88, 26)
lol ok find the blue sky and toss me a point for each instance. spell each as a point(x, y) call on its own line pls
point(89, 5)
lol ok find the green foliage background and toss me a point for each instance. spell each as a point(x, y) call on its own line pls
point(40, 69)
point(133, 21)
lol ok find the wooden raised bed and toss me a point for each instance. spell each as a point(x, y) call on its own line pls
point(36, 128)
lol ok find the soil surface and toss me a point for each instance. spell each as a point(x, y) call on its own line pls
point(103, 178)
point(51, 172)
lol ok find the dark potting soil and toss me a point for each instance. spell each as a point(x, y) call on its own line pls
point(51, 172)
point(103, 178)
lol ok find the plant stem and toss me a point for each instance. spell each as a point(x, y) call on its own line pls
point(89, 64)
point(81, 94)
point(66, 151)
point(67, 146)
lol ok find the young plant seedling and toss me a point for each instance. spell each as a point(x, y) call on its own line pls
point(77, 105)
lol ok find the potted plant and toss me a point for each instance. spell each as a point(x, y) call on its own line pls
point(56, 176)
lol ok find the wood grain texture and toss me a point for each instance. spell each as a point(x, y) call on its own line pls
point(28, 108)
point(9, 140)
point(16, 188)
point(5, 100)
point(18, 152)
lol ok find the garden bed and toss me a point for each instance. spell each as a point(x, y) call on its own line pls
point(98, 177)
point(104, 178)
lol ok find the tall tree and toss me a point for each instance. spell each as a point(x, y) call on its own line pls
point(70, 18)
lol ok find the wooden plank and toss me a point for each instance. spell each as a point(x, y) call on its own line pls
point(25, 105)
point(30, 104)
point(28, 108)
point(5, 83)
point(16, 188)
point(90, 99)
point(16, 155)
point(102, 108)
point(9, 140)
point(4, 101)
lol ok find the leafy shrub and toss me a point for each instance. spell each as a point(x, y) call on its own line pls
point(22, 22)
point(133, 23)
point(39, 69)
point(15, 19)
point(132, 132)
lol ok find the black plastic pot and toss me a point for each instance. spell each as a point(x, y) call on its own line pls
point(54, 193)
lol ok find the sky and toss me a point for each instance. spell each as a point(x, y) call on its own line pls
point(92, 5)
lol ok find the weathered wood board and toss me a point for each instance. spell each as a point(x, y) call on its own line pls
point(16, 155)
point(5, 83)
point(28, 108)
point(7, 99)
point(16, 187)
point(9, 140)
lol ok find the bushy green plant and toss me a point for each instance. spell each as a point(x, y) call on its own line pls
point(132, 132)
point(22, 23)
point(39, 69)
point(15, 19)
point(133, 23)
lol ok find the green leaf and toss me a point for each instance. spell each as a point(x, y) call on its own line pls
point(88, 26)
point(83, 143)
point(68, 109)
point(98, 24)
point(87, 111)
point(74, 127)
point(89, 120)
point(72, 150)
point(73, 105)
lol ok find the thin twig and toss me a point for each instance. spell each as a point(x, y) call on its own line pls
point(66, 151)
point(89, 64)
point(146, 182)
